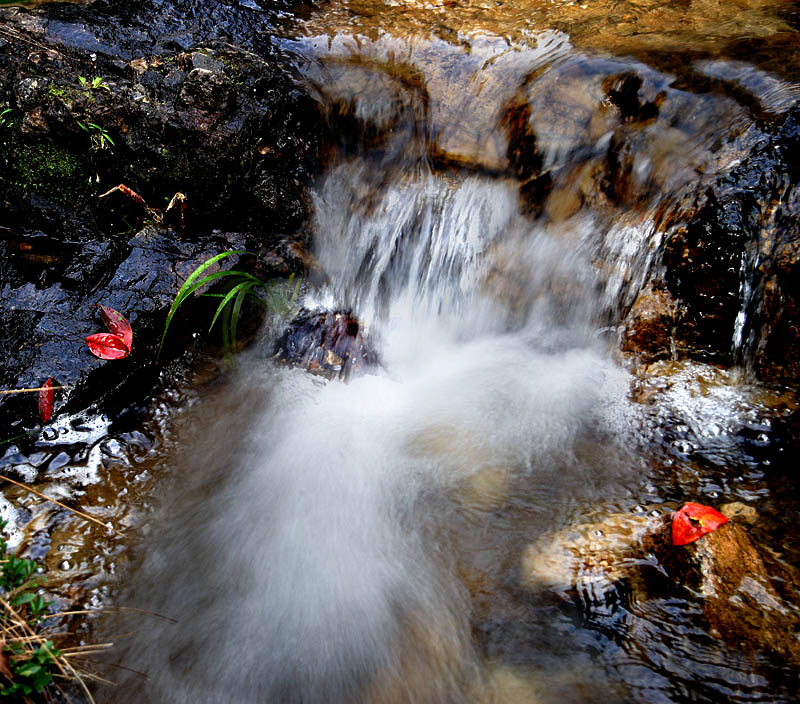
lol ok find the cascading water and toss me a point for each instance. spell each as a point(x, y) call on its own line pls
point(335, 542)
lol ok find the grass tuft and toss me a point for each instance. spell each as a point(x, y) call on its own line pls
point(276, 296)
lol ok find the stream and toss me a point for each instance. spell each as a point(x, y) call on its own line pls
point(369, 537)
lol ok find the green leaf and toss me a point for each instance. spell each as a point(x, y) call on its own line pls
point(237, 307)
point(24, 598)
point(29, 670)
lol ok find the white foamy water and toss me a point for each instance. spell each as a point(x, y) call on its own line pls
point(305, 562)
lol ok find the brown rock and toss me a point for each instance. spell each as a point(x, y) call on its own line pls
point(749, 596)
point(736, 510)
point(591, 558)
point(649, 326)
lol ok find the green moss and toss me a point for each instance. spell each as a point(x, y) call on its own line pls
point(55, 91)
point(52, 171)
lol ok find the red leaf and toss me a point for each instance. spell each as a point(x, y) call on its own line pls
point(117, 324)
point(693, 521)
point(46, 400)
point(107, 346)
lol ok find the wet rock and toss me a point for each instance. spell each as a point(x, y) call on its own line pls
point(732, 261)
point(737, 511)
point(590, 562)
point(425, 665)
point(181, 119)
point(206, 90)
point(648, 327)
point(622, 91)
point(189, 97)
point(487, 489)
point(748, 595)
point(44, 324)
point(332, 344)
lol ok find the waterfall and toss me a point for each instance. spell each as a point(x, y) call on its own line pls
point(308, 553)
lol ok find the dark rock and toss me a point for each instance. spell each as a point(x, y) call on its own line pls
point(328, 343)
point(44, 327)
point(735, 256)
point(174, 97)
point(623, 92)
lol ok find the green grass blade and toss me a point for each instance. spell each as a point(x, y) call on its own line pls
point(227, 297)
point(237, 308)
point(189, 287)
point(295, 292)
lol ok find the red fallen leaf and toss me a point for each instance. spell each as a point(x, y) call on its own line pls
point(107, 346)
point(693, 521)
point(46, 400)
point(117, 324)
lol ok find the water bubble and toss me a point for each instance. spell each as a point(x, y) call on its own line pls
point(714, 494)
point(655, 513)
point(49, 434)
point(766, 463)
point(763, 438)
point(64, 566)
point(638, 509)
point(599, 533)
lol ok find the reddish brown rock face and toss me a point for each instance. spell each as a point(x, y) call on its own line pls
point(649, 326)
point(749, 597)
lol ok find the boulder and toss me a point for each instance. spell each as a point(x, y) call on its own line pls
point(731, 261)
point(748, 596)
point(190, 99)
point(329, 343)
point(648, 327)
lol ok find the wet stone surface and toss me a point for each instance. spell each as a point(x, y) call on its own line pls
point(331, 344)
point(187, 98)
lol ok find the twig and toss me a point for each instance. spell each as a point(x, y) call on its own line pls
point(29, 391)
point(111, 609)
point(83, 515)
point(61, 663)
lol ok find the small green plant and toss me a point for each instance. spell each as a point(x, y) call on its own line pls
point(277, 297)
point(95, 84)
point(28, 661)
point(98, 134)
point(56, 91)
point(5, 119)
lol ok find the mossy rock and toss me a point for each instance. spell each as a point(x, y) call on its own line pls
point(51, 171)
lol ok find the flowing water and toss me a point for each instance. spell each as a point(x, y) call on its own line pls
point(370, 539)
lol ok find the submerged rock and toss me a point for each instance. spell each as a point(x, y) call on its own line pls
point(748, 595)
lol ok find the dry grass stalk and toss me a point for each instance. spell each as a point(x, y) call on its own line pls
point(17, 630)
point(83, 515)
